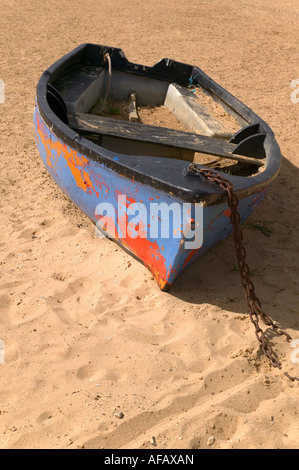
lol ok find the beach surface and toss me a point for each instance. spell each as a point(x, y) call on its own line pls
point(96, 356)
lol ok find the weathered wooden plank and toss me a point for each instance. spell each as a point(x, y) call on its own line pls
point(156, 135)
point(193, 115)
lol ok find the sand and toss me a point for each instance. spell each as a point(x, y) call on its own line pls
point(86, 330)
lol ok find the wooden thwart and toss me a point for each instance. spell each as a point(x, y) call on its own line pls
point(157, 135)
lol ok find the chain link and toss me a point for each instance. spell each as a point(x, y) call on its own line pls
point(255, 309)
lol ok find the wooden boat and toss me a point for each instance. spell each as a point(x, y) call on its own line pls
point(97, 158)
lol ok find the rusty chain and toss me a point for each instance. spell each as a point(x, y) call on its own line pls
point(255, 308)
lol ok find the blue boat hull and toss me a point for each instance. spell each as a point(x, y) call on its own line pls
point(88, 183)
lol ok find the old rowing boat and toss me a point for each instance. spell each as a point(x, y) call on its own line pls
point(132, 178)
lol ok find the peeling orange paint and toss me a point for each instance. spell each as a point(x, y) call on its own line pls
point(148, 252)
point(76, 163)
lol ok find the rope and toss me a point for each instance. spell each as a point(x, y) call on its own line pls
point(107, 58)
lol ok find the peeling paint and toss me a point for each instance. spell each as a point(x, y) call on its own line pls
point(88, 182)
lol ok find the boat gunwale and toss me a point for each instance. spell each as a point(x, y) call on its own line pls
point(201, 191)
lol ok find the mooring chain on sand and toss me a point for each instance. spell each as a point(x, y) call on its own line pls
point(255, 309)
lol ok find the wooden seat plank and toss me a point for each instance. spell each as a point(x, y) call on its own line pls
point(156, 135)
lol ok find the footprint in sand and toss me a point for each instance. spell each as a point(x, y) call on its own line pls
point(93, 371)
point(245, 399)
point(28, 233)
point(5, 304)
point(213, 430)
point(44, 416)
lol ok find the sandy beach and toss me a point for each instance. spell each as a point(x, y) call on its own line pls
point(95, 355)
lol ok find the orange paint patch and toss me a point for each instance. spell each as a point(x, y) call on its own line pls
point(148, 252)
point(76, 174)
point(55, 150)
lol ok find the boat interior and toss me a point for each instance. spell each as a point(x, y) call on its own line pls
point(132, 114)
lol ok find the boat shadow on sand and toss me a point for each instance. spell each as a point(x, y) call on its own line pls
point(270, 239)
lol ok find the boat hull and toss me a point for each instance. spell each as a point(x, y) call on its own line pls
point(90, 183)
